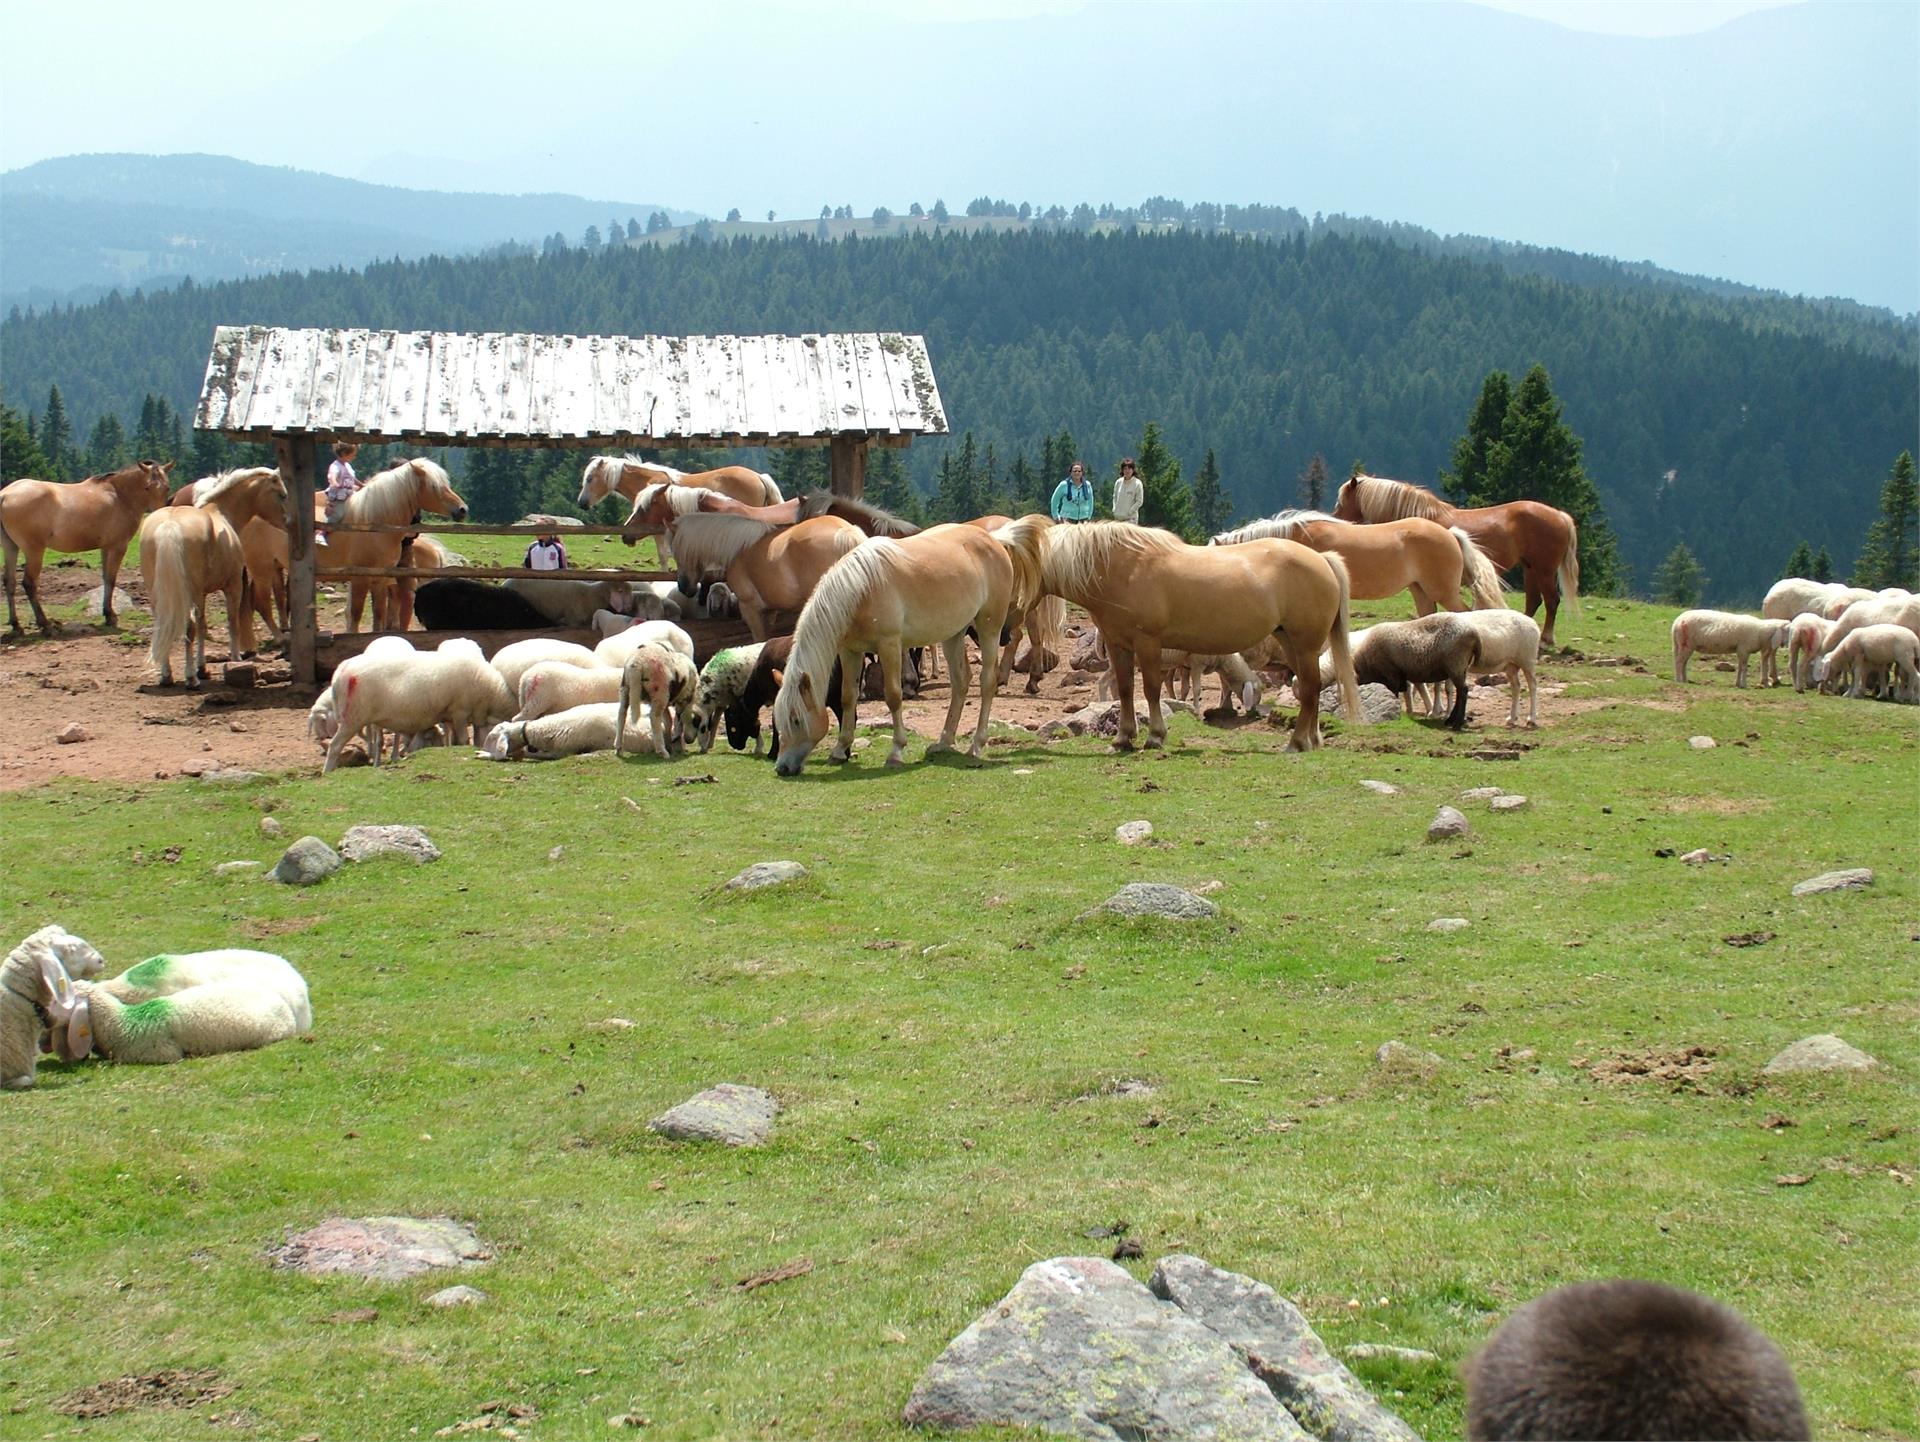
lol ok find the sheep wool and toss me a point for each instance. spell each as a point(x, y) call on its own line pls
point(1728, 633)
point(513, 661)
point(615, 649)
point(22, 994)
point(723, 681)
point(559, 686)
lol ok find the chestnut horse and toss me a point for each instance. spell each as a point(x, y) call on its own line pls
point(100, 513)
point(266, 548)
point(394, 497)
point(1542, 541)
point(188, 551)
point(1415, 555)
point(871, 519)
point(886, 595)
point(769, 568)
point(1042, 623)
point(1147, 589)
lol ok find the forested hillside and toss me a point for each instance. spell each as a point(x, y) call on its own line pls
point(1731, 433)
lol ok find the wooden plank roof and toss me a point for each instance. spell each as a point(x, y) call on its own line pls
point(457, 388)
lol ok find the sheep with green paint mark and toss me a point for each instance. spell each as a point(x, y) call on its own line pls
point(171, 1007)
point(23, 997)
point(723, 681)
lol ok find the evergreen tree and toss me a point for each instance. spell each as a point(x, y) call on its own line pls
point(1891, 556)
point(1679, 580)
point(1165, 500)
point(799, 469)
point(1313, 483)
point(887, 485)
point(1822, 567)
point(107, 445)
point(1023, 484)
point(56, 437)
point(208, 455)
point(154, 439)
point(1472, 453)
point(1212, 507)
point(20, 453)
point(1538, 458)
point(959, 496)
point(1800, 563)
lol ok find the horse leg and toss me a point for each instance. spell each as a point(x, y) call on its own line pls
point(959, 679)
point(851, 664)
point(12, 553)
point(240, 637)
point(1004, 671)
point(194, 651)
point(110, 559)
point(30, 583)
point(1121, 668)
point(989, 681)
point(1147, 656)
point(890, 668)
point(1423, 602)
point(1303, 655)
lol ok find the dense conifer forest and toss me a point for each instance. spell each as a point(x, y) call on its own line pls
point(1737, 426)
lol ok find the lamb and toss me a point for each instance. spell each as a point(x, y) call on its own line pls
point(1728, 633)
point(1889, 648)
point(723, 681)
point(658, 680)
point(250, 999)
point(567, 733)
point(615, 649)
point(24, 995)
point(572, 603)
point(553, 686)
point(512, 661)
point(1806, 642)
point(414, 696)
point(1874, 610)
point(455, 603)
point(1402, 654)
point(1510, 642)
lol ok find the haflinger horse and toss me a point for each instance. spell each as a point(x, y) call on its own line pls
point(1147, 590)
point(626, 475)
point(188, 551)
point(658, 506)
point(1419, 556)
point(1543, 542)
point(1047, 616)
point(770, 569)
point(396, 496)
point(886, 595)
point(871, 519)
point(100, 513)
point(266, 548)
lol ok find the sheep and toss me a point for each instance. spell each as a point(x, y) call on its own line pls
point(1889, 648)
point(614, 650)
point(723, 681)
point(721, 602)
point(416, 695)
point(513, 661)
point(258, 1000)
point(1402, 654)
point(455, 603)
point(763, 684)
point(571, 603)
point(1795, 594)
point(1873, 610)
point(24, 993)
point(323, 720)
point(557, 686)
point(660, 680)
point(1806, 642)
point(1838, 598)
point(1510, 642)
point(1728, 633)
point(567, 733)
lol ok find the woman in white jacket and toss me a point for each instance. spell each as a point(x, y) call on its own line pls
point(1128, 493)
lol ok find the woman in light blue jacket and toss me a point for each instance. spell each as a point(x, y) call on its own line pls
point(1073, 497)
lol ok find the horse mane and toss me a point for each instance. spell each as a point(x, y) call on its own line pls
point(710, 540)
point(1076, 555)
point(392, 497)
point(830, 609)
point(870, 518)
point(673, 475)
point(215, 486)
point(1282, 524)
point(1384, 500)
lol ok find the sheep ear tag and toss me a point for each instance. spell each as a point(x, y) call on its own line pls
point(76, 1037)
point(55, 985)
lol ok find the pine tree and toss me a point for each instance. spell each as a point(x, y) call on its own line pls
point(1212, 507)
point(1165, 500)
point(1023, 484)
point(56, 437)
point(107, 444)
point(1313, 483)
point(887, 485)
point(208, 455)
point(1800, 563)
point(959, 498)
point(1538, 458)
point(20, 453)
point(1822, 567)
point(1679, 580)
point(1891, 556)
point(1472, 452)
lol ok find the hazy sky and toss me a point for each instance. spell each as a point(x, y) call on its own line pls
point(775, 104)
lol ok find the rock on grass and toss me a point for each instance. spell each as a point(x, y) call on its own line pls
point(1825, 1052)
point(734, 1115)
point(363, 843)
point(1154, 898)
point(767, 873)
point(389, 1249)
point(1447, 824)
point(1853, 878)
point(307, 862)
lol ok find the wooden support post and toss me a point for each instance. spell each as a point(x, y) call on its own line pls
point(849, 466)
point(295, 455)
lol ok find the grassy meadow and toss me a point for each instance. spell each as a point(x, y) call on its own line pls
point(946, 1039)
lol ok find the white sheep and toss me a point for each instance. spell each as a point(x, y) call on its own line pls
point(615, 649)
point(1840, 598)
point(513, 660)
point(611, 623)
point(1890, 648)
point(723, 680)
point(1510, 642)
point(255, 1006)
point(416, 695)
point(1872, 610)
point(572, 603)
point(673, 601)
point(1728, 633)
point(567, 733)
point(1788, 598)
point(25, 992)
point(1807, 635)
point(323, 720)
point(662, 682)
point(557, 686)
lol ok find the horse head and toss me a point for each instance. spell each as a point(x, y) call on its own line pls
point(800, 714)
point(143, 484)
point(268, 497)
point(1347, 504)
point(597, 482)
point(435, 492)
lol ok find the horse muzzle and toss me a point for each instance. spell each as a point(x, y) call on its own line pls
point(458, 513)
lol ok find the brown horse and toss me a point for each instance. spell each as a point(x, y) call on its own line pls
point(625, 475)
point(1415, 555)
point(394, 497)
point(887, 595)
point(1148, 589)
point(769, 568)
point(266, 548)
point(188, 551)
point(1543, 542)
point(100, 513)
point(1042, 622)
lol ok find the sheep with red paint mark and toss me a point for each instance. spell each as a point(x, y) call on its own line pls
point(662, 680)
point(1728, 633)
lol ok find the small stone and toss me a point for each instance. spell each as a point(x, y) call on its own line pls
point(1025, 770)
point(1381, 788)
point(1825, 1052)
point(72, 733)
point(1447, 824)
point(363, 843)
point(1508, 803)
point(460, 1296)
point(1854, 878)
point(218, 775)
point(231, 868)
point(1366, 1351)
point(1209, 888)
point(767, 873)
point(558, 853)
point(1448, 923)
point(1398, 1057)
point(270, 826)
point(241, 675)
point(1482, 793)
point(390, 1249)
point(1702, 743)
point(738, 1116)
point(1133, 833)
point(305, 863)
point(1155, 898)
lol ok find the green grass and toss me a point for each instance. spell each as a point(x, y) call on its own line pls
point(940, 1030)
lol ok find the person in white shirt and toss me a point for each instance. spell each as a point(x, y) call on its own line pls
point(1127, 494)
point(546, 554)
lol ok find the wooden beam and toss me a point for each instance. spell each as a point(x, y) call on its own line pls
point(295, 455)
point(454, 532)
point(849, 466)
point(494, 573)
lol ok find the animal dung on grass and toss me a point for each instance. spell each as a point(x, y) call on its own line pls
point(306, 863)
point(388, 1249)
point(363, 843)
point(1154, 898)
point(1825, 1052)
point(767, 873)
point(735, 1115)
point(1447, 824)
point(1854, 878)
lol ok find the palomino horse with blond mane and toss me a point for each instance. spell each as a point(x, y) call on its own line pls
point(188, 551)
point(886, 595)
point(1543, 542)
point(396, 496)
point(1414, 555)
point(100, 513)
point(1148, 590)
point(770, 569)
point(658, 506)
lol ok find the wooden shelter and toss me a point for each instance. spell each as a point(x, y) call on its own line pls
point(301, 389)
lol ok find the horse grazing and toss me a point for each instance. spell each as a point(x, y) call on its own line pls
point(1148, 589)
point(886, 595)
point(1543, 542)
point(188, 551)
point(770, 569)
point(1420, 556)
point(395, 497)
point(658, 506)
point(100, 513)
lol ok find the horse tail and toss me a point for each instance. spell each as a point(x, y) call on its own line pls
point(1483, 581)
point(1568, 574)
point(163, 555)
point(1025, 542)
point(1341, 644)
point(771, 489)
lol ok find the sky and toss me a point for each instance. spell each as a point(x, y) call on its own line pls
point(1608, 127)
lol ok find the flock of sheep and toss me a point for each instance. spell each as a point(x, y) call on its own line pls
point(1837, 637)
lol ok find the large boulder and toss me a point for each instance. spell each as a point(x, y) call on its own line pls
point(1377, 703)
point(1085, 655)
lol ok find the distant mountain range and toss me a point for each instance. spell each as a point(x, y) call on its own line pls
point(73, 228)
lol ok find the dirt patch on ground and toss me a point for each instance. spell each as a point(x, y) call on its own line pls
point(1719, 805)
point(1679, 1068)
point(171, 1388)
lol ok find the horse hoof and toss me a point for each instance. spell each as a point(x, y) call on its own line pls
point(936, 747)
point(840, 757)
point(1125, 744)
point(1155, 743)
point(896, 758)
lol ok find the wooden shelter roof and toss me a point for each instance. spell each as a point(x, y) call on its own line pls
point(463, 389)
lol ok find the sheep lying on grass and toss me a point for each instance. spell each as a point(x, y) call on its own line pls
point(201, 1004)
point(557, 686)
point(513, 661)
point(1806, 643)
point(572, 603)
point(1883, 659)
point(416, 695)
point(1727, 633)
point(660, 681)
point(23, 1034)
point(615, 649)
point(723, 681)
point(567, 733)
